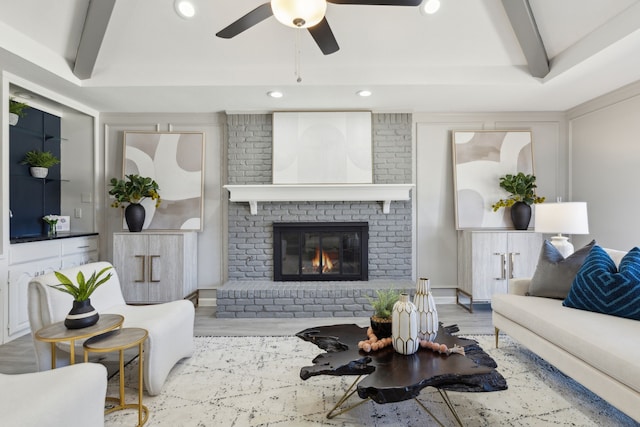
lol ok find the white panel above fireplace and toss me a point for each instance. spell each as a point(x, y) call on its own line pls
point(322, 148)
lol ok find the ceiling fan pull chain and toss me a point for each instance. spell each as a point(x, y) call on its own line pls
point(297, 56)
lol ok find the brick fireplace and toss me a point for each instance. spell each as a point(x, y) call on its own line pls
point(251, 291)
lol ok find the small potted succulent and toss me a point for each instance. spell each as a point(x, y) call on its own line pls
point(382, 306)
point(39, 162)
point(82, 314)
point(522, 188)
point(132, 190)
point(16, 110)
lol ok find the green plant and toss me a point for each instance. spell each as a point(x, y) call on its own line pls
point(41, 159)
point(16, 107)
point(133, 189)
point(383, 303)
point(85, 287)
point(522, 189)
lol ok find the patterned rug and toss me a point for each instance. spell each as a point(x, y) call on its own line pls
point(254, 381)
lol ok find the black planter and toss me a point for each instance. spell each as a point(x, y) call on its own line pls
point(381, 329)
point(82, 315)
point(520, 215)
point(134, 214)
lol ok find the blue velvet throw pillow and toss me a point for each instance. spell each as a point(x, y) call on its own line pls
point(601, 287)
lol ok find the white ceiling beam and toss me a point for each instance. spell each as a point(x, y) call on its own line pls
point(95, 27)
point(524, 25)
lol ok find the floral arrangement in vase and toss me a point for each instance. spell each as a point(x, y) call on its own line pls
point(52, 221)
point(522, 189)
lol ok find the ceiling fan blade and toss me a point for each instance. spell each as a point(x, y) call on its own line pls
point(252, 18)
point(322, 34)
point(378, 2)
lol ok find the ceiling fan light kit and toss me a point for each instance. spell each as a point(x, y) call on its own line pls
point(299, 14)
point(309, 14)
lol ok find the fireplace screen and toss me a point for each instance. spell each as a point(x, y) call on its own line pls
point(320, 251)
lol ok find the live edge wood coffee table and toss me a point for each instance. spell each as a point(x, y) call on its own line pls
point(393, 377)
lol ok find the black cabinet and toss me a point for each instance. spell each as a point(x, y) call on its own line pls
point(32, 198)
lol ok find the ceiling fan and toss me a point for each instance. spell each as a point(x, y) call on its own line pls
point(309, 14)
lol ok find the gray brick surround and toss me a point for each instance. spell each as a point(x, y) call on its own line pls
point(250, 291)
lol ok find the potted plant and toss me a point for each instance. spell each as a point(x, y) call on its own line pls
point(382, 309)
point(82, 314)
point(522, 188)
point(40, 162)
point(132, 190)
point(16, 110)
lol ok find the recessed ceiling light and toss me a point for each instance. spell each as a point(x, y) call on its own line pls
point(363, 93)
point(275, 94)
point(429, 7)
point(185, 8)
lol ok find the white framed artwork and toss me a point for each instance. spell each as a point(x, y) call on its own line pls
point(175, 160)
point(480, 158)
point(322, 148)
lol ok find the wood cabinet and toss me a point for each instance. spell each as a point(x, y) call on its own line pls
point(29, 260)
point(156, 267)
point(487, 260)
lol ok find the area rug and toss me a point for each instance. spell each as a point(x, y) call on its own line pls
point(254, 381)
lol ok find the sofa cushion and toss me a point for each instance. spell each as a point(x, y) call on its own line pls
point(605, 342)
point(601, 287)
point(554, 273)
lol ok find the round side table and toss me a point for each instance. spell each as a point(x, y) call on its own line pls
point(120, 340)
point(57, 333)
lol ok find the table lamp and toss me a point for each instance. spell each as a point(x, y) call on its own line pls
point(567, 218)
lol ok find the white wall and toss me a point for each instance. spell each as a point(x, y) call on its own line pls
point(605, 167)
point(210, 241)
point(436, 236)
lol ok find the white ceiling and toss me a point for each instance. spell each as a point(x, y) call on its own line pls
point(464, 58)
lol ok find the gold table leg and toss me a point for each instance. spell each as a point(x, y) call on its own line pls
point(447, 401)
point(347, 394)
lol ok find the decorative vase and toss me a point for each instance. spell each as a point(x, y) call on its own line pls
point(38, 172)
point(13, 119)
point(381, 327)
point(82, 315)
point(520, 215)
point(134, 214)
point(53, 232)
point(404, 326)
point(427, 313)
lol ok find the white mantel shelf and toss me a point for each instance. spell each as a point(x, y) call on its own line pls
point(385, 193)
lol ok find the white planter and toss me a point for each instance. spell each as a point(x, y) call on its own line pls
point(13, 119)
point(37, 172)
point(404, 326)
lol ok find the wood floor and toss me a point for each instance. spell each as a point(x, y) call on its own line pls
point(18, 356)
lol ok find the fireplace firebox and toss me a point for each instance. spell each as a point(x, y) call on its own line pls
point(320, 251)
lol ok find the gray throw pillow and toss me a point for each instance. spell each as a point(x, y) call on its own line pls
point(554, 273)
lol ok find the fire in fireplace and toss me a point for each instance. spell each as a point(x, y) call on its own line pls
point(320, 251)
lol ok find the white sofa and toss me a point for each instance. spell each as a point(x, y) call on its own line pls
point(170, 325)
point(72, 396)
point(597, 350)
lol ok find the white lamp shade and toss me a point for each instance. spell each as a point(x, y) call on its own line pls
point(299, 14)
point(566, 218)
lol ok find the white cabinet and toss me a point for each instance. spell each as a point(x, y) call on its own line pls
point(28, 260)
point(487, 260)
point(156, 267)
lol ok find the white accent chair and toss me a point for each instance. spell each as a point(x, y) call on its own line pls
point(170, 324)
point(72, 396)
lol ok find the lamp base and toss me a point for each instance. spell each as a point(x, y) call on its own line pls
point(562, 244)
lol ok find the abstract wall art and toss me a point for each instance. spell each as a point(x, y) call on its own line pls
point(175, 160)
point(480, 158)
point(322, 148)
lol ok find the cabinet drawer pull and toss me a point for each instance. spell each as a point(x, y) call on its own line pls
point(142, 269)
point(151, 257)
point(512, 267)
point(83, 247)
